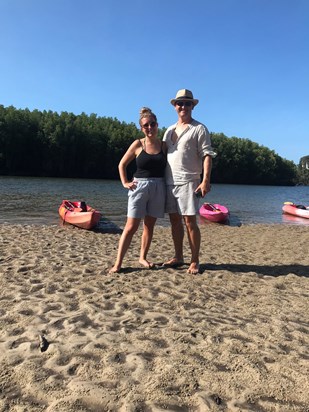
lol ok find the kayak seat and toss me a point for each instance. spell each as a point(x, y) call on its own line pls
point(83, 206)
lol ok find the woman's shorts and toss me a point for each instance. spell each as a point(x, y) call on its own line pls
point(148, 199)
point(182, 199)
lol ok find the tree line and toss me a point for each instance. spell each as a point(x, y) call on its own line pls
point(46, 143)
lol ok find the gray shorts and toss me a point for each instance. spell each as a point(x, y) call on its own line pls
point(148, 199)
point(181, 199)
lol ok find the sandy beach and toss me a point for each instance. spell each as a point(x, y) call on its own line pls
point(233, 338)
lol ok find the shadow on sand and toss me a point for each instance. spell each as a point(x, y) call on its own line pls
point(267, 270)
point(107, 226)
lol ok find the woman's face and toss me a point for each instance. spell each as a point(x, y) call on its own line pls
point(149, 126)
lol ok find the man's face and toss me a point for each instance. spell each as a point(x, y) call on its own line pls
point(183, 107)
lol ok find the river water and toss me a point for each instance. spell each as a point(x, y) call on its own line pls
point(28, 200)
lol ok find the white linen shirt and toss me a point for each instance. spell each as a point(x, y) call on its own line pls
point(185, 156)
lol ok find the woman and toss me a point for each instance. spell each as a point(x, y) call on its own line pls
point(146, 196)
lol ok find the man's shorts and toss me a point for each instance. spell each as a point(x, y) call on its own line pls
point(148, 199)
point(182, 199)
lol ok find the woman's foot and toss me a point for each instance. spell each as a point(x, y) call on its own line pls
point(146, 264)
point(114, 269)
point(194, 268)
point(173, 263)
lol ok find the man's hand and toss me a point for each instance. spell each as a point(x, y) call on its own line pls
point(203, 188)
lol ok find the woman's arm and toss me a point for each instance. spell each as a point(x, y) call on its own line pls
point(125, 161)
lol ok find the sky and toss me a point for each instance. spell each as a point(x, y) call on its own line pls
point(247, 61)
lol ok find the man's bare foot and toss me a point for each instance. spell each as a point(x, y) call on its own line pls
point(114, 269)
point(146, 264)
point(173, 263)
point(194, 268)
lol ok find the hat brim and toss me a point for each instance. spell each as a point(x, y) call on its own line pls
point(194, 101)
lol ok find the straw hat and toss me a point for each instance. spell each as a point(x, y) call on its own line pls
point(184, 94)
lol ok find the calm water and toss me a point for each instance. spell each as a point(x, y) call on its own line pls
point(36, 200)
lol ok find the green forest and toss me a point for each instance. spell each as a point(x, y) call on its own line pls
point(45, 143)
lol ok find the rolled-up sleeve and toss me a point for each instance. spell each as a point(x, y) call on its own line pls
point(204, 142)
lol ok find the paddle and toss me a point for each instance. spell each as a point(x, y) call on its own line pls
point(214, 209)
point(68, 205)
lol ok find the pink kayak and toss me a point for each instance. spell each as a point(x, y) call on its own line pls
point(296, 210)
point(214, 212)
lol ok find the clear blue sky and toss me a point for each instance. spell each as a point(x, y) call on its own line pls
point(247, 61)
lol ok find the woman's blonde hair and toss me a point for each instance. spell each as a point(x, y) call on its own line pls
point(146, 112)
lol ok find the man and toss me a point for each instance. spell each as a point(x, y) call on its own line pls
point(189, 155)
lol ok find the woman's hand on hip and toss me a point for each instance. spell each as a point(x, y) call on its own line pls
point(130, 185)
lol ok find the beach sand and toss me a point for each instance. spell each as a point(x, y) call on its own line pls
point(234, 338)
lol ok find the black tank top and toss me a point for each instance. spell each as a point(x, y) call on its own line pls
point(150, 165)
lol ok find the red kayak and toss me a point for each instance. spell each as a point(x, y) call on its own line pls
point(296, 210)
point(79, 214)
point(214, 212)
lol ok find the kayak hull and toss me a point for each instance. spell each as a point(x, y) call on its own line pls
point(214, 212)
point(296, 210)
point(79, 214)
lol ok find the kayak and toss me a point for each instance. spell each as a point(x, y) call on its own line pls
point(286, 218)
point(79, 214)
point(214, 212)
point(296, 210)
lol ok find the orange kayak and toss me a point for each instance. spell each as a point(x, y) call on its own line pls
point(79, 214)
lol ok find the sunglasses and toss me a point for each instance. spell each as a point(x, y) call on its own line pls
point(186, 104)
point(151, 124)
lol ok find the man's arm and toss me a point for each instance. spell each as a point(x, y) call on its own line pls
point(204, 186)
